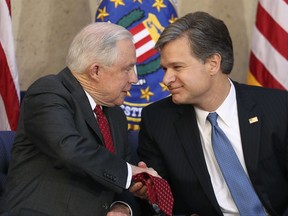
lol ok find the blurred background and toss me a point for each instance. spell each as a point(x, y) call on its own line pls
point(43, 30)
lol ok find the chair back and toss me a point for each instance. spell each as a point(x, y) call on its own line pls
point(6, 142)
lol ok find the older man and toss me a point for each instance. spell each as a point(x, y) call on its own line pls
point(63, 161)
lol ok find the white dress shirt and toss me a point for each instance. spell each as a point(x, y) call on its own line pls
point(228, 122)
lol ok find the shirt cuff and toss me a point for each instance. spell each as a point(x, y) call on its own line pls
point(129, 177)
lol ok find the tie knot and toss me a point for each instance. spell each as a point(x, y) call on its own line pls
point(212, 118)
point(98, 110)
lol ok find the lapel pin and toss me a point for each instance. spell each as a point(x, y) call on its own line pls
point(253, 120)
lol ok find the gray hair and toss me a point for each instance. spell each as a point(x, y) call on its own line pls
point(95, 42)
point(206, 35)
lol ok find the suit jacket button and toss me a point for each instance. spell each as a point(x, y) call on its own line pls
point(105, 206)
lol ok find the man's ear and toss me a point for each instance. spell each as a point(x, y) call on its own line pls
point(93, 71)
point(214, 63)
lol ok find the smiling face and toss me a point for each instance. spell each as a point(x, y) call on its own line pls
point(111, 83)
point(187, 78)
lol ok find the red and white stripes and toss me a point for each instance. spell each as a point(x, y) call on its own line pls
point(144, 43)
point(269, 47)
point(9, 85)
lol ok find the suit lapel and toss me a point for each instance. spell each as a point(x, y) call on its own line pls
point(187, 129)
point(74, 87)
point(250, 124)
point(250, 130)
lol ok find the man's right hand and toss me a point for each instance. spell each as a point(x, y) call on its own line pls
point(138, 188)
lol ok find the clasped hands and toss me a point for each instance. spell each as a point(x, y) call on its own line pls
point(138, 189)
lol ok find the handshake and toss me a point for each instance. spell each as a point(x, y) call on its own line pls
point(139, 188)
point(147, 184)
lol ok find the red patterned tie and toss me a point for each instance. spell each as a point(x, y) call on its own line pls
point(158, 191)
point(104, 128)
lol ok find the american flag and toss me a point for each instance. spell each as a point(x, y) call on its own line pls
point(9, 86)
point(269, 47)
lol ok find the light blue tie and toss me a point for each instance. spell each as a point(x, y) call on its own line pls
point(238, 183)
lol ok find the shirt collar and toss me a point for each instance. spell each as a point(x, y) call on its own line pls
point(91, 101)
point(225, 111)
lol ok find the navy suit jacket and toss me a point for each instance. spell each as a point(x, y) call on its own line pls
point(59, 164)
point(169, 141)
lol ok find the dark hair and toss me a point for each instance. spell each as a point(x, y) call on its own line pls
point(206, 34)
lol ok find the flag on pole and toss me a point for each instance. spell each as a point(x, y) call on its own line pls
point(9, 86)
point(268, 65)
point(145, 19)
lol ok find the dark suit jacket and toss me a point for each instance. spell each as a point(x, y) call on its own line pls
point(169, 141)
point(59, 165)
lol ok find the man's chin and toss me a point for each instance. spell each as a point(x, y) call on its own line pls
point(178, 99)
point(175, 99)
point(119, 102)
